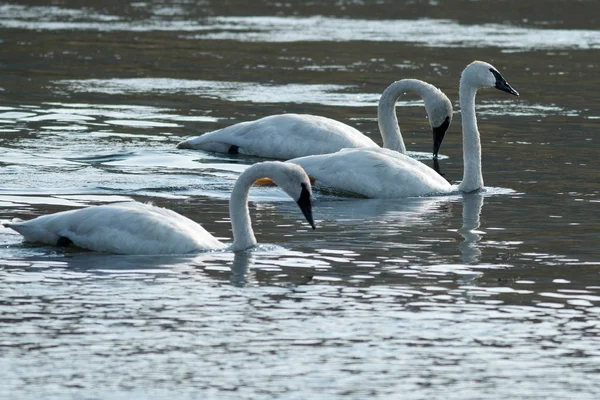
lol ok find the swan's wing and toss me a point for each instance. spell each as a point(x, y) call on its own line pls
point(282, 136)
point(376, 173)
point(124, 228)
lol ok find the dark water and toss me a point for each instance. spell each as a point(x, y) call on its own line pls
point(493, 295)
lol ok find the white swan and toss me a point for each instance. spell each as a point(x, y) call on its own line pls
point(286, 136)
point(137, 228)
point(380, 173)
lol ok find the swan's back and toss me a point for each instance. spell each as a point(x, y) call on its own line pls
point(122, 228)
point(282, 136)
point(375, 173)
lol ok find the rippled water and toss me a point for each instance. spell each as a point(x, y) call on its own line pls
point(479, 296)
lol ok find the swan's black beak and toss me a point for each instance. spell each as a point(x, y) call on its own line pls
point(305, 205)
point(501, 83)
point(438, 136)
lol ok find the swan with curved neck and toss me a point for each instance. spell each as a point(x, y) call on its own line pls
point(383, 173)
point(437, 105)
point(286, 136)
point(137, 228)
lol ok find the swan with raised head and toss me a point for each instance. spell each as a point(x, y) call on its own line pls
point(286, 136)
point(137, 228)
point(380, 173)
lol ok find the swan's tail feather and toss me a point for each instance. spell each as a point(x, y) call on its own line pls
point(9, 224)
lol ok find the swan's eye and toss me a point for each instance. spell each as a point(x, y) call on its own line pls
point(501, 83)
point(305, 193)
point(499, 78)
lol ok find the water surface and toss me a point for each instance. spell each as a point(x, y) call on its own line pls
point(477, 296)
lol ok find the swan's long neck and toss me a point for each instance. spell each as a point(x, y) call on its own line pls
point(243, 235)
point(472, 175)
point(386, 111)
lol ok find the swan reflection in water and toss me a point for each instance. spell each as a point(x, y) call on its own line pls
point(273, 265)
point(255, 267)
point(472, 205)
point(241, 273)
point(469, 248)
point(397, 215)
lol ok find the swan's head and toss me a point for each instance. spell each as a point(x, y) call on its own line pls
point(480, 74)
point(295, 182)
point(439, 114)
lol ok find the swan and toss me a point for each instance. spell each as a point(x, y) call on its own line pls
point(138, 228)
point(286, 136)
point(380, 173)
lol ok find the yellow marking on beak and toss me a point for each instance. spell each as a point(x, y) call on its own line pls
point(269, 182)
point(264, 182)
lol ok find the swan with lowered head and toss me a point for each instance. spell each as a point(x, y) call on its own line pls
point(137, 228)
point(286, 136)
point(381, 173)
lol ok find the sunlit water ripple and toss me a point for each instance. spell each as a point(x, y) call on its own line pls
point(328, 95)
point(424, 32)
point(199, 331)
point(470, 296)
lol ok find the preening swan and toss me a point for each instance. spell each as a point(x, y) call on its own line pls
point(382, 173)
point(286, 136)
point(137, 228)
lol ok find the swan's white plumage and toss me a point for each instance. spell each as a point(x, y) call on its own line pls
point(282, 136)
point(374, 173)
point(137, 228)
point(286, 136)
point(122, 228)
point(380, 173)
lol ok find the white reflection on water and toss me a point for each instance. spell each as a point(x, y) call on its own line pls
point(76, 112)
point(177, 327)
point(425, 32)
point(228, 91)
point(253, 92)
point(397, 212)
point(70, 148)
